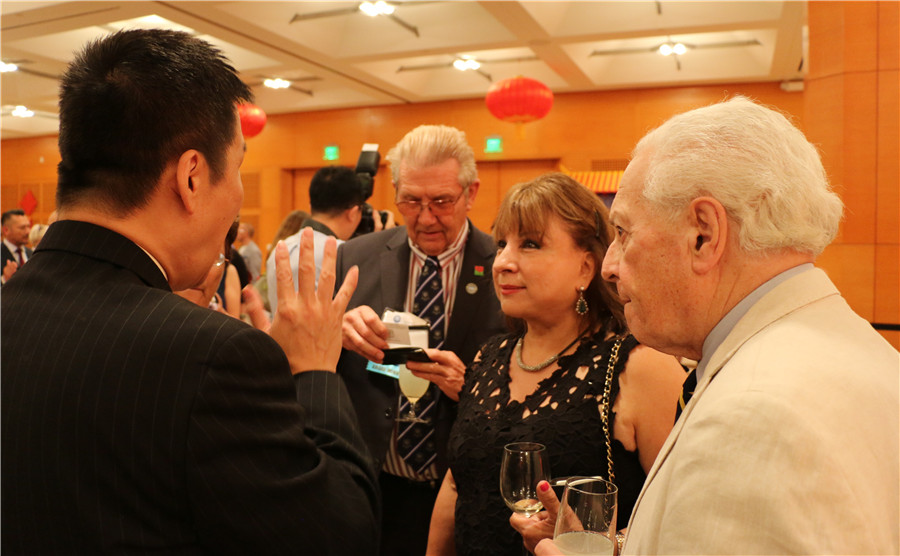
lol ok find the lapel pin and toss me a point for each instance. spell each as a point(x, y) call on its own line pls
point(471, 288)
point(479, 270)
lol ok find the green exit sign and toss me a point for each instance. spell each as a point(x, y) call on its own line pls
point(493, 144)
point(332, 152)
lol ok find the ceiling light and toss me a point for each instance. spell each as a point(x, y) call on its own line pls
point(277, 83)
point(667, 49)
point(22, 112)
point(372, 9)
point(464, 64)
point(4, 67)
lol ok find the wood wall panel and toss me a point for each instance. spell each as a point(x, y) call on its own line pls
point(887, 284)
point(888, 163)
point(852, 104)
point(852, 269)
point(859, 176)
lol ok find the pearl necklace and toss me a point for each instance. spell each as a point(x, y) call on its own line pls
point(542, 364)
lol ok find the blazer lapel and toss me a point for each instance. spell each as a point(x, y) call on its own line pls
point(394, 268)
point(473, 287)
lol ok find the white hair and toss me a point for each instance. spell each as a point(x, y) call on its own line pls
point(429, 145)
point(750, 158)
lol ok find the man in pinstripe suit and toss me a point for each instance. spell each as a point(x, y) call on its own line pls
point(133, 420)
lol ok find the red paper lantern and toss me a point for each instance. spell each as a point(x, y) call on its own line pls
point(519, 100)
point(253, 119)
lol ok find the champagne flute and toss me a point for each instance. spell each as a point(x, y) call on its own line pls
point(413, 388)
point(586, 521)
point(524, 464)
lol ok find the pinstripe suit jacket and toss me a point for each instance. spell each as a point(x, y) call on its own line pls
point(135, 421)
point(383, 260)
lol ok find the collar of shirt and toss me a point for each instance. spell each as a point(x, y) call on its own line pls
point(159, 266)
point(451, 263)
point(12, 247)
point(721, 330)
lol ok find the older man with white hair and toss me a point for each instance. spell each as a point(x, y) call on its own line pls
point(788, 443)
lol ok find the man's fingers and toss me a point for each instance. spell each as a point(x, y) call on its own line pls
point(327, 275)
point(306, 274)
point(342, 298)
point(284, 279)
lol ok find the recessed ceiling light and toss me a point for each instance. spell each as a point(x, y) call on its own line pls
point(4, 67)
point(463, 64)
point(667, 49)
point(277, 83)
point(372, 9)
point(22, 112)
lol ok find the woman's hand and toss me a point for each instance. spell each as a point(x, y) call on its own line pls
point(446, 370)
point(539, 526)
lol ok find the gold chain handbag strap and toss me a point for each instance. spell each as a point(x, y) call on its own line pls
point(607, 389)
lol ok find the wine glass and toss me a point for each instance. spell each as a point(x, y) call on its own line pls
point(586, 521)
point(524, 465)
point(413, 388)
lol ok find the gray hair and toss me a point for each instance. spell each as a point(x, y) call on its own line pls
point(429, 145)
point(755, 162)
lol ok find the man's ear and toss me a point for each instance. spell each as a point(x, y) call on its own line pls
point(708, 233)
point(473, 191)
point(190, 175)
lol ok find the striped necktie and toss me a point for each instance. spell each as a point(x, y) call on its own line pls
point(415, 441)
point(687, 390)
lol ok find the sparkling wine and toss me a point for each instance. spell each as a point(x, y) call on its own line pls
point(412, 386)
point(584, 543)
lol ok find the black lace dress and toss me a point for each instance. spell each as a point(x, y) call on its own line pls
point(564, 414)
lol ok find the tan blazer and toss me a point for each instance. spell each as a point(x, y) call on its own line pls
point(790, 442)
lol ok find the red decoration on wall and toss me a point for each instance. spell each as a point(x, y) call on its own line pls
point(519, 100)
point(28, 202)
point(253, 119)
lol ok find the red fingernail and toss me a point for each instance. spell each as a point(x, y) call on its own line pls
point(544, 486)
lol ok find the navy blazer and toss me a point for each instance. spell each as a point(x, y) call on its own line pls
point(135, 421)
point(383, 260)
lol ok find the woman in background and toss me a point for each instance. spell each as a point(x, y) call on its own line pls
point(567, 363)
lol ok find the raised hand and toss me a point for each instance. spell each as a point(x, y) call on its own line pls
point(307, 323)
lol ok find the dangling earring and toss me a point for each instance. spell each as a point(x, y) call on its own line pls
point(581, 306)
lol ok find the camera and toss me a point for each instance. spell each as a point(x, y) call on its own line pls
point(366, 168)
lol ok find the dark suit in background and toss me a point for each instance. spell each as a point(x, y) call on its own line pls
point(8, 255)
point(383, 260)
point(133, 420)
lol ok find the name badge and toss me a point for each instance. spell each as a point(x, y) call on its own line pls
point(392, 371)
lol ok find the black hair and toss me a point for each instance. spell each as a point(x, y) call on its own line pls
point(9, 214)
point(135, 100)
point(334, 189)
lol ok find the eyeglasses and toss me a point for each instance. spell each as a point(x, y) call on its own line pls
point(220, 261)
point(438, 207)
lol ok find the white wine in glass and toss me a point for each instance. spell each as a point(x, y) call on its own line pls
point(524, 465)
point(413, 388)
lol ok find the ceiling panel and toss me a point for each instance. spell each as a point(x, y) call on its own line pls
point(341, 58)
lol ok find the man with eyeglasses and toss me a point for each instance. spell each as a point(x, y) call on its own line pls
point(435, 181)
